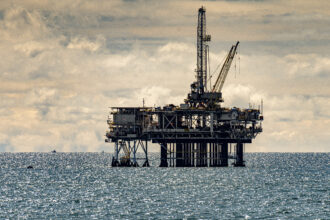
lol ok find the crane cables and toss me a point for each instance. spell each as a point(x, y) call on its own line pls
point(211, 75)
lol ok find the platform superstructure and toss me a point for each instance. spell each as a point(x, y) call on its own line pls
point(197, 133)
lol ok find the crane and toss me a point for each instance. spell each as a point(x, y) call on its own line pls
point(225, 69)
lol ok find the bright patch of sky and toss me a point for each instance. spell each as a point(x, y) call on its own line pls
point(63, 63)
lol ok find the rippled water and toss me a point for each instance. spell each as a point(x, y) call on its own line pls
point(83, 185)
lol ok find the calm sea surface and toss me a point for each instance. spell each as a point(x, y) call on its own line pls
point(84, 186)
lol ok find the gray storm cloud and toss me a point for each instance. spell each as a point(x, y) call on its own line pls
point(63, 64)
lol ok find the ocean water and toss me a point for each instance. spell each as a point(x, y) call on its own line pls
point(84, 186)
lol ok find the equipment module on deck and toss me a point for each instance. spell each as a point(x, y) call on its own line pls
point(197, 133)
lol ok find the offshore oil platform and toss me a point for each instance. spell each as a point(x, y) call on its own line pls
point(197, 133)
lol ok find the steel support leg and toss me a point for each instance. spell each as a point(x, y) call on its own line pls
point(224, 155)
point(146, 162)
point(115, 161)
point(189, 154)
point(179, 155)
point(185, 155)
point(203, 148)
point(239, 156)
point(193, 157)
point(198, 154)
point(135, 147)
point(214, 148)
point(163, 155)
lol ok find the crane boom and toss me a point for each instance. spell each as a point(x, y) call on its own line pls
point(225, 69)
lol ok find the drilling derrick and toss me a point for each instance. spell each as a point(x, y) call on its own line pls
point(202, 52)
point(199, 96)
point(197, 133)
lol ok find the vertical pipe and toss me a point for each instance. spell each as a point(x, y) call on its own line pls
point(198, 155)
point(211, 154)
point(171, 151)
point(169, 154)
point(203, 154)
point(185, 156)
point(186, 163)
point(202, 146)
point(193, 163)
point(128, 162)
point(208, 155)
point(174, 152)
point(189, 154)
point(215, 154)
point(134, 154)
point(146, 153)
point(218, 156)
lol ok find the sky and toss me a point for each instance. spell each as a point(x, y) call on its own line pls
point(64, 63)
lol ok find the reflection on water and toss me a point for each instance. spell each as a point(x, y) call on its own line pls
point(83, 185)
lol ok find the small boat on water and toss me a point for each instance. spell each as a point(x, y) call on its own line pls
point(53, 151)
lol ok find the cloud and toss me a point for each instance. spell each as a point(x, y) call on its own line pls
point(31, 48)
point(157, 96)
point(21, 25)
point(310, 65)
point(84, 44)
point(63, 65)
